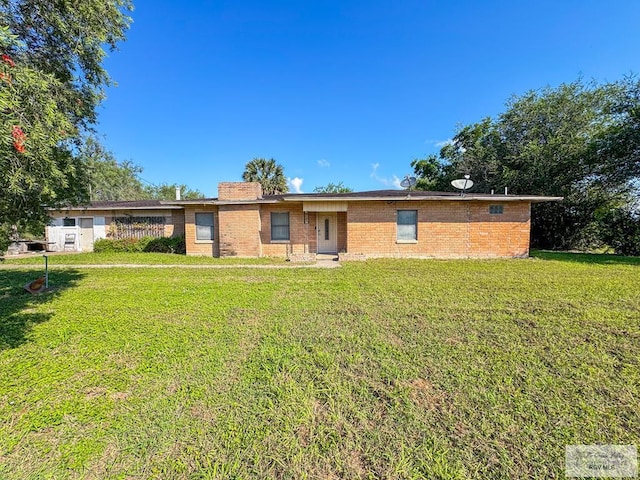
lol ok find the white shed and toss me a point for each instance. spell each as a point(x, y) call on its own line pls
point(75, 234)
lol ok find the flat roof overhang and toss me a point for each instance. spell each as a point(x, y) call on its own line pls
point(245, 202)
point(413, 198)
point(90, 209)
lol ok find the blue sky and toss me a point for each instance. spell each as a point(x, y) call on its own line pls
point(345, 90)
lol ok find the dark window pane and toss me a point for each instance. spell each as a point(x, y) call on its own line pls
point(407, 225)
point(280, 226)
point(204, 226)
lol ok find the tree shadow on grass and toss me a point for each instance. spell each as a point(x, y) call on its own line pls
point(19, 309)
point(592, 258)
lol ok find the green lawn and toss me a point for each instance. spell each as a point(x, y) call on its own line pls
point(379, 369)
point(135, 259)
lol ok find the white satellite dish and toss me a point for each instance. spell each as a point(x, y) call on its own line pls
point(462, 184)
point(408, 182)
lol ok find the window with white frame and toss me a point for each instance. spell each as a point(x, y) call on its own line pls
point(68, 222)
point(280, 226)
point(204, 226)
point(407, 225)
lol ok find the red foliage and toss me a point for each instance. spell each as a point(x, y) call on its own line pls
point(19, 138)
point(8, 60)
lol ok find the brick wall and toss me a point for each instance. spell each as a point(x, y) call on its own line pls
point(311, 232)
point(504, 235)
point(239, 191)
point(342, 231)
point(201, 247)
point(302, 237)
point(239, 227)
point(446, 229)
point(176, 226)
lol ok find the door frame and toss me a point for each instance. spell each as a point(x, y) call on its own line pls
point(332, 245)
point(81, 230)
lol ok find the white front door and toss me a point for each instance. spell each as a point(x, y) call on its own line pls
point(86, 234)
point(327, 233)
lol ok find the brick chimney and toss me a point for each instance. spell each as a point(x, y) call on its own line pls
point(239, 191)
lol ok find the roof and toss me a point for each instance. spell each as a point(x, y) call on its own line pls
point(400, 195)
point(126, 205)
point(372, 195)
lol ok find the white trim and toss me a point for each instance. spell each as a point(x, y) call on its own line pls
point(324, 206)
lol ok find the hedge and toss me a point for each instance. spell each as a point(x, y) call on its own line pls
point(144, 244)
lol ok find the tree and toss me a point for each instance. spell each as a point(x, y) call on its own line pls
point(579, 141)
point(67, 40)
point(268, 173)
point(36, 162)
point(333, 188)
point(429, 172)
point(51, 81)
point(110, 180)
point(166, 191)
point(618, 144)
point(621, 230)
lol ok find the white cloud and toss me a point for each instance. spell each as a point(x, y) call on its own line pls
point(296, 184)
point(394, 181)
point(443, 143)
point(324, 163)
point(438, 143)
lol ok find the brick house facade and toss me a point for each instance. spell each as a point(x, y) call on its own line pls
point(242, 222)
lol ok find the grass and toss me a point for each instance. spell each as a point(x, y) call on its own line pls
point(381, 369)
point(112, 258)
point(592, 258)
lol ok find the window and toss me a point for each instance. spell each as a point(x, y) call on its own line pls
point(326, 229)
point(496, 209)
point(68, 222)
point(407, 225)
point(204, 226)
point(280, 226)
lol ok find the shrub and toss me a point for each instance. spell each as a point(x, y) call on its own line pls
point(111, 245)
point(621, 230)
point(167, 245)
point(144, 244)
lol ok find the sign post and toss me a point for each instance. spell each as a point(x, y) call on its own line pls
point(46, 271)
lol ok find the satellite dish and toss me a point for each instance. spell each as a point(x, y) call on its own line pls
point(462, 184)
point(408, 182)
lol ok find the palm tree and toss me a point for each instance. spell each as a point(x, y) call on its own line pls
point(268, 173)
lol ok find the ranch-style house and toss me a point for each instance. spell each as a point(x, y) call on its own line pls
point(243, 222)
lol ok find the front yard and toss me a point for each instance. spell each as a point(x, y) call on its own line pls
point(381, 369)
